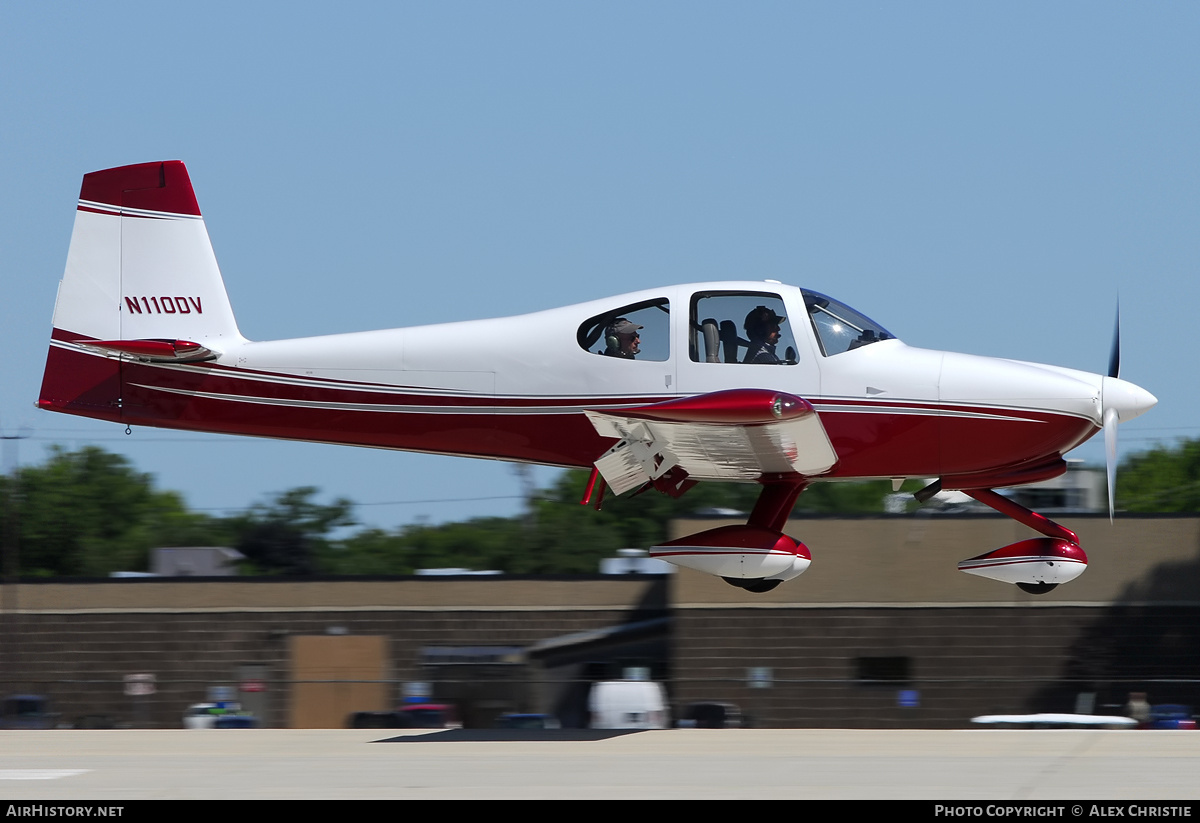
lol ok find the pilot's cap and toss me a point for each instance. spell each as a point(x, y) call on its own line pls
point(622, 327)
point(760, 317)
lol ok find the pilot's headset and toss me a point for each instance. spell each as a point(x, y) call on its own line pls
point(618, 327)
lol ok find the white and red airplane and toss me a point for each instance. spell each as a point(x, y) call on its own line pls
point(738, 381)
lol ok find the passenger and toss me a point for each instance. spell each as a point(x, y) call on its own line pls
point(621, 339)
point(762, 327)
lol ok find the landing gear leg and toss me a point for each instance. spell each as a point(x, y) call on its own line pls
point(775, 503)
point(770, 512)
point(1035, 521)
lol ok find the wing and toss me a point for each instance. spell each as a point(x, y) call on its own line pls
point(741, 434)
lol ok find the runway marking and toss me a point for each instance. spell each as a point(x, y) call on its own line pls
point(39, 774)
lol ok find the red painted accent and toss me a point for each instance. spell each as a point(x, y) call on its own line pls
point(1045, 469)
point(1037, 522)
point(148, 348)
point(869, 444)
point(775, 503)
point(81, 384)
point(744, 407)
point(674, 482)
point(591, 486)
point(1034, 547)
point(163, 187)
point(942, 445)
point(736, 538)
point(92, 210)
point(155, 348)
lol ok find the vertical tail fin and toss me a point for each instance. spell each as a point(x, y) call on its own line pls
point(141, 280)
point(141, 265)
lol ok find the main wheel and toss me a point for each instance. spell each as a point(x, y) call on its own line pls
point(752, 584)
point(1037, 588)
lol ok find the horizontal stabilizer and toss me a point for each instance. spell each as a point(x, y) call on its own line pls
point(164, 351)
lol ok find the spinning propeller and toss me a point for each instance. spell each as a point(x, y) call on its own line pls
point(1119, 401)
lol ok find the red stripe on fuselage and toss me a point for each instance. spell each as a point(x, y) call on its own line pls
point(932, 440)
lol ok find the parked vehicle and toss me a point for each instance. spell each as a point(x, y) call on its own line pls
point(628, 704)
point(1171, 716)
point(375, 720)
point(413, 716)
point(1052, 720)
point(712, 715)
point(218, 716)
point(236, 721)
point(429, 716)
point(27, 711)
point(527, 721)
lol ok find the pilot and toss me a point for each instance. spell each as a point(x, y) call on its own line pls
point(762, 327)
point(621, 339)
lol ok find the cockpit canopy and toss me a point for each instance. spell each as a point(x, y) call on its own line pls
point(840, 328)
point(722, 327)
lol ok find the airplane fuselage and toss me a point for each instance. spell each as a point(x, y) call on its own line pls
point(515, 389)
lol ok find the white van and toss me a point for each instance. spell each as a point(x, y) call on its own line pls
point(628, 704)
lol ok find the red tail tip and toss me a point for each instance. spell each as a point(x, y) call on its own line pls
point(163, 186)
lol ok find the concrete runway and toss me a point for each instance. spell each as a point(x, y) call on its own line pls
point(678, 764)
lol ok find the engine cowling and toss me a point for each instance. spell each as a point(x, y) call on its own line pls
point(738, 552)
point(1044, 561)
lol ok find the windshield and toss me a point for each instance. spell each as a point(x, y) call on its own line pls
point(840, 328)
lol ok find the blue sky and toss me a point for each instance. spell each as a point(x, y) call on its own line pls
point(979, 177)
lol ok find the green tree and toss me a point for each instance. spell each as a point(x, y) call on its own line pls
point(290, 535)
point(1163, 479)
point(370, 551)
point(88, 513)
